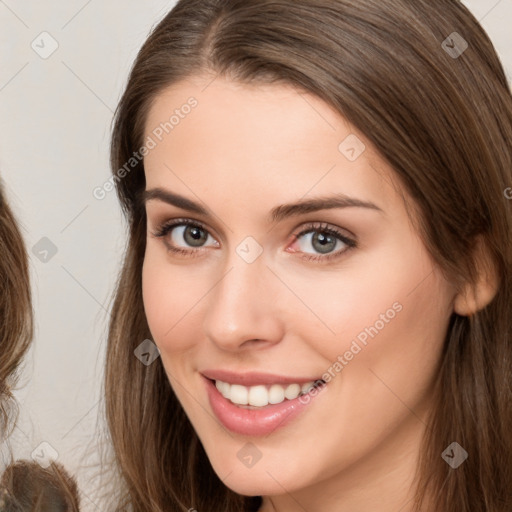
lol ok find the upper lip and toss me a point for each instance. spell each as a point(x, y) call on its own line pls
point(254, 378)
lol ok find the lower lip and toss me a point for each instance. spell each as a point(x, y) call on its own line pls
point(255, 422)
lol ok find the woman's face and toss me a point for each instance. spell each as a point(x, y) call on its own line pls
point(345, 293)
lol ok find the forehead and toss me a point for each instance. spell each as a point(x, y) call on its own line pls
point(271, 138)
point(257, 112)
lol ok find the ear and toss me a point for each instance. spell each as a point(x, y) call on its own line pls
point(474, 297)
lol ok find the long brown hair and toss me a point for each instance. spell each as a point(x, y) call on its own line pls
point(28, 487)
point(24, 486)
point(16, 325)
point(441, 119)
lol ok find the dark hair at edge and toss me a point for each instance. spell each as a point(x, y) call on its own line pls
point(16, 327)
point(28, 487)
point(443, 124)
point(24, 486)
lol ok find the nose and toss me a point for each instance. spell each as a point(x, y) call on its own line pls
point(243, 309)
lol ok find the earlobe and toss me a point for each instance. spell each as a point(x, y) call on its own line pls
point(474, 297)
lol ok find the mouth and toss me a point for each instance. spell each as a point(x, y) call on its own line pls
point(261, 409)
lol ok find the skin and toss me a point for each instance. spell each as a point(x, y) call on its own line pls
point(241, 152)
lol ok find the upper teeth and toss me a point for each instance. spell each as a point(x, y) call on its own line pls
point(261, 395)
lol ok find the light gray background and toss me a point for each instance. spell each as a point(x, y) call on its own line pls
point(54, 133)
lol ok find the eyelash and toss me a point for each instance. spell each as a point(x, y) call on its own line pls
point(167, 227)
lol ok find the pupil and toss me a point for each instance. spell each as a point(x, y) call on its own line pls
point(195, 236)
point(327, 242)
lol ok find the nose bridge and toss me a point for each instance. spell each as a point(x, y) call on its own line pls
point(242, 302)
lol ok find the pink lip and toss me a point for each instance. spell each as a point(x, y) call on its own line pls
point(254, 378)
point(255, 422)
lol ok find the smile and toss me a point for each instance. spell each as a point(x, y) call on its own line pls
point(263, 395)
point(261, 408)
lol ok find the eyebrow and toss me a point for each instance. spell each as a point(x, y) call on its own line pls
point(277, 214)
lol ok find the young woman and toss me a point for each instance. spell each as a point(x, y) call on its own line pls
point(320, 248)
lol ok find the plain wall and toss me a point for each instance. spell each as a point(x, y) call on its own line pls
point(55, 117)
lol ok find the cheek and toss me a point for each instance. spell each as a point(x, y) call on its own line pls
point(174, 299)
point(167, 297)
point(391, 312)
point(371, 292)
point(390, 360)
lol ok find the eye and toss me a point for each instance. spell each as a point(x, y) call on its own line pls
point(182, 233)
point(327, 242)
point(187, 237)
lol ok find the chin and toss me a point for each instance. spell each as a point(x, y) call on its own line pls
point(264, 478)
point(246, 484)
